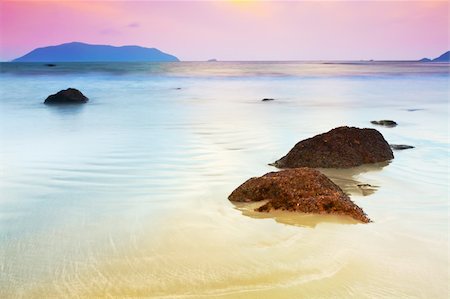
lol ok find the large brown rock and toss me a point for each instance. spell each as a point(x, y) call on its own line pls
point(67, 96)
point(300, 190)
point(341, 147)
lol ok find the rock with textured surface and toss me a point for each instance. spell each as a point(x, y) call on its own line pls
point(67, 96)
point(341, 147)
point(298, 190)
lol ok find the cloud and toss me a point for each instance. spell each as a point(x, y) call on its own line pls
point(134, 25)
point(109, 31)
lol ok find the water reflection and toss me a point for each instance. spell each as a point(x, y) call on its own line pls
point(65, 109)
point(291, 218)
point(349, 181)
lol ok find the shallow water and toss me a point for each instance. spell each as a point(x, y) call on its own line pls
point(126, 196)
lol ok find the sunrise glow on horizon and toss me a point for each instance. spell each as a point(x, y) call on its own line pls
point(234, 30)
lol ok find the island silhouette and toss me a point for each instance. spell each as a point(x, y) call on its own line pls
point(443, 58)
point(82, 52)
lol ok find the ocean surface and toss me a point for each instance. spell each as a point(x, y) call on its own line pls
point(126, 196)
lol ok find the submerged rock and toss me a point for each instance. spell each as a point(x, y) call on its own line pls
point(50, 64)
point(267, 99)
point(364, 185)
point(400, 146)
point(299, 190)
point(68, 96)
point(367, 189)
point(384, 122)
point(341, 147)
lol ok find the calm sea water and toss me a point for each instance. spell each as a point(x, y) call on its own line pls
point(126, 196)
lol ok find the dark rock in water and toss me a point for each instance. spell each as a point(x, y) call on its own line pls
point(341, 147)
point(364, 185)
point(298, 190)
point(414, 109)
point(384, 122)
point(68, 96)
point(50, 64)
point(267, 99)
point(400, 146)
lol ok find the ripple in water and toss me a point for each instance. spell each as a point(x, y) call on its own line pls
point(127, 195)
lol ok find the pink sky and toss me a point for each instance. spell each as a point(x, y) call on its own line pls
point(234, 30)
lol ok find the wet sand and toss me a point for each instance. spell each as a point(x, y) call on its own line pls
point(214, 250)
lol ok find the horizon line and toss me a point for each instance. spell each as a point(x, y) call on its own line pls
point(218, 60)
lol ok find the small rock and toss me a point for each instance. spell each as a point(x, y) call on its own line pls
point(50, 64)
point(267, 99)
point(364, 185)
point(341, 147)
point(399, 147)
point(384, 122)
point(367, 189)
point(68, 96)
point(298, 190)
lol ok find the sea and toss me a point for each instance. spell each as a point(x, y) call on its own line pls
point(126, 196)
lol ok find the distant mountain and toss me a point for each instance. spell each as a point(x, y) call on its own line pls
point(79, 52)
point(443, 58)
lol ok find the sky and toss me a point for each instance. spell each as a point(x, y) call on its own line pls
point(234, 30)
